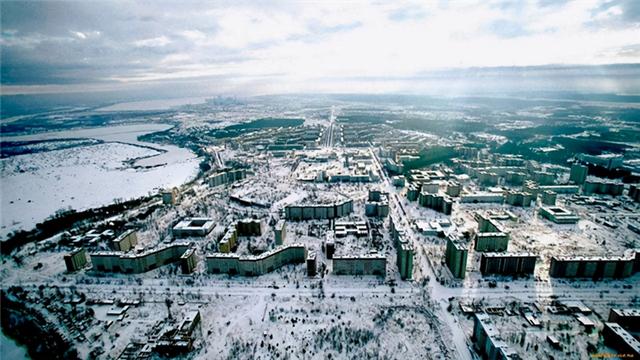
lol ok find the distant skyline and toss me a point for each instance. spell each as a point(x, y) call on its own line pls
point(268, 47)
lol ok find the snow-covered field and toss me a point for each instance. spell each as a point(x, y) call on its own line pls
point(35, 186)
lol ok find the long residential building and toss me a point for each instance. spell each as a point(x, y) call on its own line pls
point(226, 177)
point(508, 263)
point(254, 265)
point(319, 211)
point(134, 263)
point(595, 267)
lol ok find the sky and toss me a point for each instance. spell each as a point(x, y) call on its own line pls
point(312, 46)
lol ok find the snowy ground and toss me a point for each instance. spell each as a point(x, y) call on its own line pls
point(35, 186)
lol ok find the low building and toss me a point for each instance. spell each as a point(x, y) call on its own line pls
point(193, 227)
point(620, 339)
point(251, 265)
point(76, 259)
point(170, 196)
point(355, 228)
point(558, 215)
point(176, 340)
point(126, 241)
point(360, 265)
point(135, 263)
point(456, 257)
point(508, 263)
point(488, 342)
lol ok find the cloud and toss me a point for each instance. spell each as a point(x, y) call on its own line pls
point(63, 43)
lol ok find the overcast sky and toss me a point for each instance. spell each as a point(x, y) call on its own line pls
point(303, 46)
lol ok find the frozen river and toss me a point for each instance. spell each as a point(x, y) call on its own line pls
point(34, 186)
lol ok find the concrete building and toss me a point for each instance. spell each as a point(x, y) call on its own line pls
point(226, 177)
point(229, 239)
point(398, 181)
point(508, 263)
point(320, 211)
point(602, 188)
point(355, 228)
point(377, 204)
point(543, 177)
point(487, 340)
point(76, 259)
point(193, 227)
point(488, 178)
point(135, 263)
point(245, 227)
point(404, 249)
point(438, 202)
point(634, 192)
point(519, 198)
point(456, 257)
point(126, 241)
point(548, 198)
point(627, 318)
point(370, 264)
point(482, 197)
point(620, 339)
point(281, 232)
point(607, 161)
point(491, 237)
point(170, 196)
point(249, 265)
point(312, 263)
point(535, 189)
point(453, 188)
point(179, 340)
point(250, 227)
point(413, 191)
point(578, 174)
point(558, 215)
point(594, 267)
point(515, 178)
point(188, 261)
